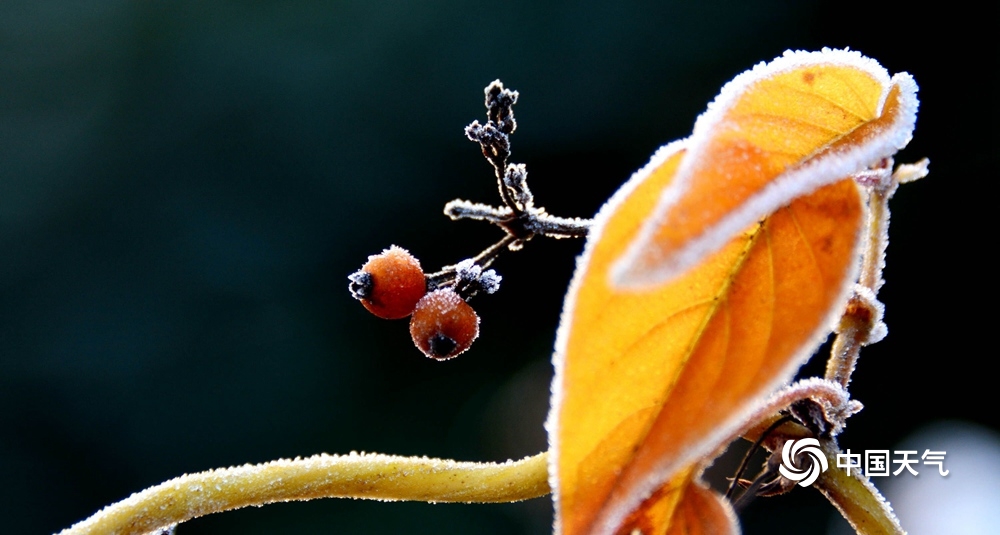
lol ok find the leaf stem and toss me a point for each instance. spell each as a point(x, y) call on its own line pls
point(364, 475)
point(856, 498)
point(861, 323)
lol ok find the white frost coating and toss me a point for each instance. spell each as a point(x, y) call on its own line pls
point(562, 335)
point(468, 271)
point(490, 281)
point(794, 183)
point(879, 330)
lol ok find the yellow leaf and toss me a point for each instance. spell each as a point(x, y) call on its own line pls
point(706, 281)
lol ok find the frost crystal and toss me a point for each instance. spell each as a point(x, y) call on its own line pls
point(490, 281)
point(472, 276)
point(467, 270)
point(361, 284)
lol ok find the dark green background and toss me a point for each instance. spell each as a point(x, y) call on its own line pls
point(184, 187)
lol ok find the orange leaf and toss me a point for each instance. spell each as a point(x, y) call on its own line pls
point(681, 507)
point(774, 133)
point(652, 381)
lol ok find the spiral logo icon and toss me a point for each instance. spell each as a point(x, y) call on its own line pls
point(792, 450)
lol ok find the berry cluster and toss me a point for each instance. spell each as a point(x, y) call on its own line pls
point(392, 285)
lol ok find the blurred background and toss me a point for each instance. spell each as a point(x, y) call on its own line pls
point(185, 186)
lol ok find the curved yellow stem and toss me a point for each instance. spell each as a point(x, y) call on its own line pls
point(364, 475)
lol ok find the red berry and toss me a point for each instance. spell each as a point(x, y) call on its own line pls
point(443, 324)
point(389, 284)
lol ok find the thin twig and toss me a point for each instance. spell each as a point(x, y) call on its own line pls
point(447, 274)
point(518, 217)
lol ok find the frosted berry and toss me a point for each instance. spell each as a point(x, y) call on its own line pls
point(389, 284)
point(443, 324)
